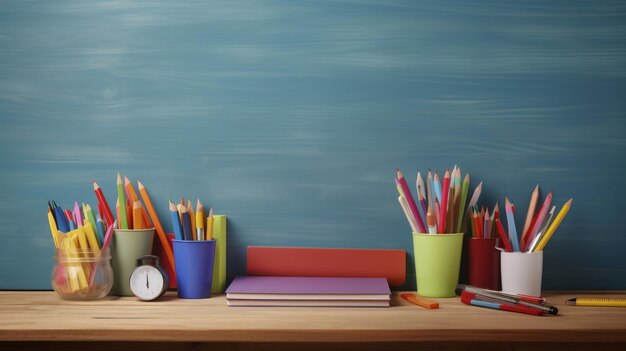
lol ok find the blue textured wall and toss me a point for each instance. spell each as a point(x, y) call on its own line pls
point(291, 117)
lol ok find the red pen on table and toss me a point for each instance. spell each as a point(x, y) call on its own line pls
point(469, 298)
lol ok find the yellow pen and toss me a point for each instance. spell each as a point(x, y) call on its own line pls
point(598, 302)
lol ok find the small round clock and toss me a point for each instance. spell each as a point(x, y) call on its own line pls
point(149, 281)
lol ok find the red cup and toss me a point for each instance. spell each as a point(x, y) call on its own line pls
point(484, 263)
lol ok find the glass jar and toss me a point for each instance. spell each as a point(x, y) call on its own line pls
point(82, 274)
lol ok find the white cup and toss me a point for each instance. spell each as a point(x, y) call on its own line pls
point(521, 272)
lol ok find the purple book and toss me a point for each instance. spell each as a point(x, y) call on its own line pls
point(308, 288)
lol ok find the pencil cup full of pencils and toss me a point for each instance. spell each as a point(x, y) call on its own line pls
point(82, 274)
point(126, 247)
point(437, 263)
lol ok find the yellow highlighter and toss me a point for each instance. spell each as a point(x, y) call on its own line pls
point(598, 302)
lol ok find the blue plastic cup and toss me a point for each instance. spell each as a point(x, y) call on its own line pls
point(194, 267)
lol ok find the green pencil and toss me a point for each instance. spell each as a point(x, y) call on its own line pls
point(122, 202)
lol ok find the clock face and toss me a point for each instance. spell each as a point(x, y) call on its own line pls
point(147, 282)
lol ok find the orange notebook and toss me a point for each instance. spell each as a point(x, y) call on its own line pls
point(328, 262)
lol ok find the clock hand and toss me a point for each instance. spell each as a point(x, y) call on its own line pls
point(147, 282)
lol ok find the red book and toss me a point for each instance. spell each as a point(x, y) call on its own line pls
point(327, 262)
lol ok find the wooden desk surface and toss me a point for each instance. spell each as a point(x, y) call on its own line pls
point(28, 317)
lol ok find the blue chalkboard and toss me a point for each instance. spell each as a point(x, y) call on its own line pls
point(291, 117)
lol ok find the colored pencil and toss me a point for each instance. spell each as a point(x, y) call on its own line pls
point(472, 202)
point(450, 212)
point(121, 196)
point(553, 226)
point(430, 190)
point(421, 193)
point(130, 189)
point(503, 237)
point(405, 209)
point(539, 221)
point(157, 224)
point(76, 213)
point(510, 220)
point(409, 198)
point(542, 231)
point(186, 223)
point(53, 228)
point(461, 213)
point(437, 186)
point(108, 215)
point(199, 219)
point(137, 216)
point(431, 221)
point(531, 208)
point(445, 190)
point(209, 226)
point(178, 232)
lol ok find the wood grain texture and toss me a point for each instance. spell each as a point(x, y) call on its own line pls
point(30, 318)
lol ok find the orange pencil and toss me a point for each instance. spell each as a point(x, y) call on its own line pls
point(530, 214)
point(133, 195)
point(157, 224)
point(137, 215)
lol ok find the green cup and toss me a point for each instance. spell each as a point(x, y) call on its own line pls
point(126, 247)
point(437, 263)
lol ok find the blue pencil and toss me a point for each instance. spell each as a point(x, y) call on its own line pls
point(510, 220)
point(175, 221)
point(186, 223)
point(437, 188)
point(61, 220)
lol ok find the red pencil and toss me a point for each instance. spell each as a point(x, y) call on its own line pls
point(503, 236)
point(445, 189)
point(108, 215)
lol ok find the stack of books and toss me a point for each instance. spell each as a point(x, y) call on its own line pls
point(308, 291)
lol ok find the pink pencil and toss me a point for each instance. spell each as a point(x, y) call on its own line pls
point(409, 198)
point(540, 217)
point(78, 219)
point(445, 188)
